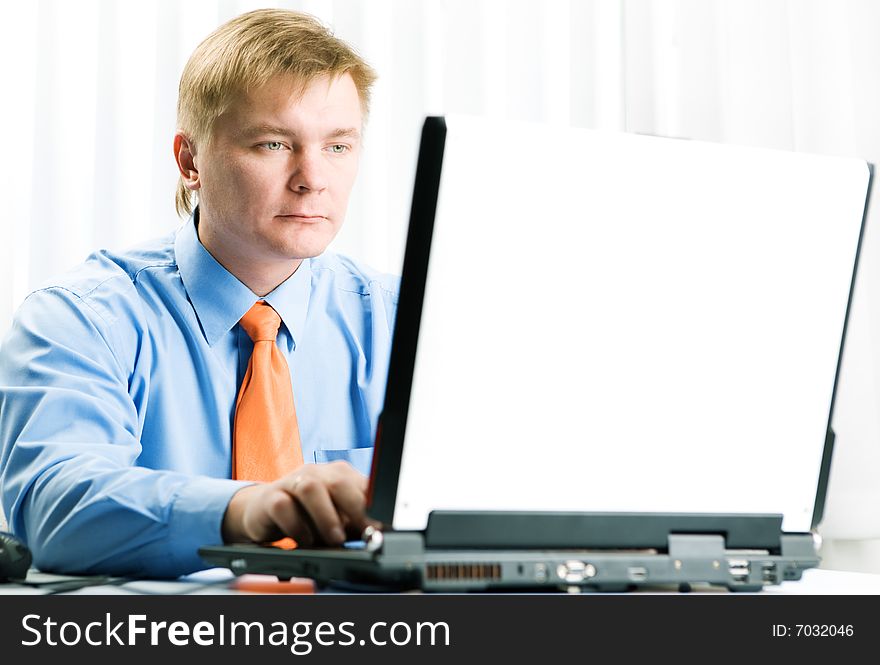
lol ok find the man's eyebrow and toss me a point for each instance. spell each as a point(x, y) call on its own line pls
point(345, 133)
point(275, 130)
point(263, 128)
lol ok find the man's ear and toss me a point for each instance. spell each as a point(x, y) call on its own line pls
point(184, 155)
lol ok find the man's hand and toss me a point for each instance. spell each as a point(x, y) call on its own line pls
point(317, 503)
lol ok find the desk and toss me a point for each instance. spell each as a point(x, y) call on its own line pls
point(212, 581)
point(218, 580)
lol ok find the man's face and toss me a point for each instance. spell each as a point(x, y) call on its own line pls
point(275, 178)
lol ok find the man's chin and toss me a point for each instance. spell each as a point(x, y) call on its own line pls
point(301, 252)
point(303, 245)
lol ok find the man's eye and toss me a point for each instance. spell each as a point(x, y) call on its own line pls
point(274, 145)
point(338, 148)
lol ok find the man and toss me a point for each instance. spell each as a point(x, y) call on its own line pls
point(145, 398)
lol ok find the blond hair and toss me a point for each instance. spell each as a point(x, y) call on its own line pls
point(247, 52)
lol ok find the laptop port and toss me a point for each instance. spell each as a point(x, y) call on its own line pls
point(575, 571)
point(637, 573)
point(739, 569)
point(540, 572)
point(769, 574)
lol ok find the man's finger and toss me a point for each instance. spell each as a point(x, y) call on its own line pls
point(348, 491)
point(288, 516)
point(313, 497)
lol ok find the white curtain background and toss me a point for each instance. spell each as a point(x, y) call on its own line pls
point(88, 113)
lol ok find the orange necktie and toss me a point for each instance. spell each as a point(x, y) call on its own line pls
point(265, 434)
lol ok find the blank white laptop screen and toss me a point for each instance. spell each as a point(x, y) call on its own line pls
point(616, 322)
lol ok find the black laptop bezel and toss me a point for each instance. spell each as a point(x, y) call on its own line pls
point(382, 493)
point(825, 468)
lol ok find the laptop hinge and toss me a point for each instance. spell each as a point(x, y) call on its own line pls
point(687, 546)
point(400, 543)
point(537, 530)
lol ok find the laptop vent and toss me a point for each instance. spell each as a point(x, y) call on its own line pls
point(464, 571)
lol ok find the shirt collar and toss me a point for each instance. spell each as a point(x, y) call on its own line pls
point(220, 299)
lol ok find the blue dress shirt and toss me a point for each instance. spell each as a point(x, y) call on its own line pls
point(117, 395)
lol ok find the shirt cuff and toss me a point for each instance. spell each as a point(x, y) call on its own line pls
point(197, 517)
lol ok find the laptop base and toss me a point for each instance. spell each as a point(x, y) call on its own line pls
point(397, 560)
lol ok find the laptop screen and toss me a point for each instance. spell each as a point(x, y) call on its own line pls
point(613, 322)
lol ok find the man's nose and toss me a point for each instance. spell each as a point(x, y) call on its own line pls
point(310, 173)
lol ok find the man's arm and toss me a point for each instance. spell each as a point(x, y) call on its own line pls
point(69, 439)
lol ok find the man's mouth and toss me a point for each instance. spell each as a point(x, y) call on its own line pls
point(303, 217)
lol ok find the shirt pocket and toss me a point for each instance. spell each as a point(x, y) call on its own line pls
point(359, 458)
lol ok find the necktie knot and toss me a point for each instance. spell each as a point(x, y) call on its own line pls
point(261, 322)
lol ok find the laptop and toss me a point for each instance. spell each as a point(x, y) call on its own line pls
point(613, 366)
